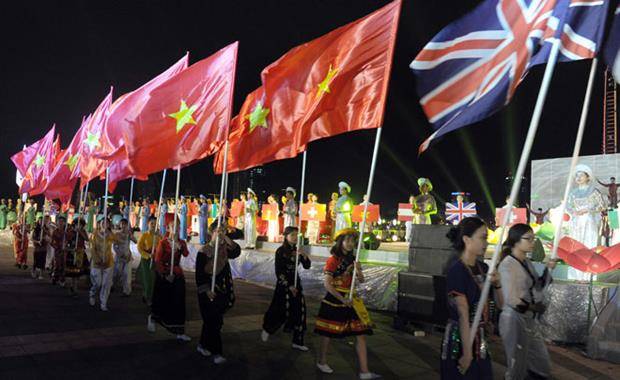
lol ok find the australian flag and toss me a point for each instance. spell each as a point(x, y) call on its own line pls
point(472, 68)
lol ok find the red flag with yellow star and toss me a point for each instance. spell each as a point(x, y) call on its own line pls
point(90, 166)
point(255, 138)
point(123, 111)
point(40, 167)
point(62, 180)
point(24, 158)
point(185, 118)
point(334, 84)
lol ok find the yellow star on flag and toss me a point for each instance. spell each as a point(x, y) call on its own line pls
point(92, 140)
point(184, 115)
point(324, 85)
point(72, 161)
point(258, 117)
point(39, 161)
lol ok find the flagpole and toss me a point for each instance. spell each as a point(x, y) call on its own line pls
point(24, 199)
point(161, 196)
point(573, 163)
point(300, 236)
point(375, 152)
point(525, 154)
point(176, 216)
point(362, 226)
point(42, 220)
point(219, 217)
point(130, 205)
point(224, 186)
point(77, 235)
point(105, 206)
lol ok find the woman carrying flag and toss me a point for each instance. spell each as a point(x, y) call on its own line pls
point(341, 316)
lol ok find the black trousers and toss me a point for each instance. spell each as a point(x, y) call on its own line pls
point(212, 322)
point(288, 311)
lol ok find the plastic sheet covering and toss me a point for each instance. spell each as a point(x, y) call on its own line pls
point(378, 292)
point(566, 318)
point(604, 339)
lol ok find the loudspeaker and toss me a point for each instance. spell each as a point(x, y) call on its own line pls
point(430, 251)
point(422, 298)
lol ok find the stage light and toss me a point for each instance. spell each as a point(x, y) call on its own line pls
point(394, 238)
point(475, 164)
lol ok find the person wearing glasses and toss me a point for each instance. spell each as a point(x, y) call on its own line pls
point(522, 287)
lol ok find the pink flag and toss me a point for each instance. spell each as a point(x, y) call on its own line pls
point(24, 158)
point(90, 166)
point(63, 178)
point(39, 169)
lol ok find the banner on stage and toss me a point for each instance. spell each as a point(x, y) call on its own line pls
point(313, 212)
point(405, 212)
point(236, 209)
point(518, 215)
point(269, 212)
point(371, 216)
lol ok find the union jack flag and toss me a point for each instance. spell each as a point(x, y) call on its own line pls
point(457, 211)
point(472, 67)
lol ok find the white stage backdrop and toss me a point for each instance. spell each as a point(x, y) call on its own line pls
point(549, 177)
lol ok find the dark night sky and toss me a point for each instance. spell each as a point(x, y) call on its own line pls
point(60, 57)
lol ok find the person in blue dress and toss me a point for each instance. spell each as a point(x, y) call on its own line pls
point(183, 219)
point(145, 213)
point(163, 211)
point(203, 214)
point(464, 282)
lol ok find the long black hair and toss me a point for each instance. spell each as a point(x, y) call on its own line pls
point(337, 249)
point(288, 230)
point(467, 227)
point(515, 234)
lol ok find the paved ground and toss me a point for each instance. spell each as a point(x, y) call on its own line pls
point(46, 334)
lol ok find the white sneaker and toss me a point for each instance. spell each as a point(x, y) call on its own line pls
point(369, 376)
point(203, 351)
point(300, 348)
point(324, 368)
point(150, 325)
point(264, 336)
point(92, 301)
point(184, 338)
point(104, 308)
point(219, 359)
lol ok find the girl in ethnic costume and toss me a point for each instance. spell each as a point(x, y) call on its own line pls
point(339, 316)
point(464, 283)
point(168, 308)
point(213, 305)
point(288, 306)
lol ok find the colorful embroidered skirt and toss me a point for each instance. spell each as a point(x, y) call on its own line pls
point(335, 320)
